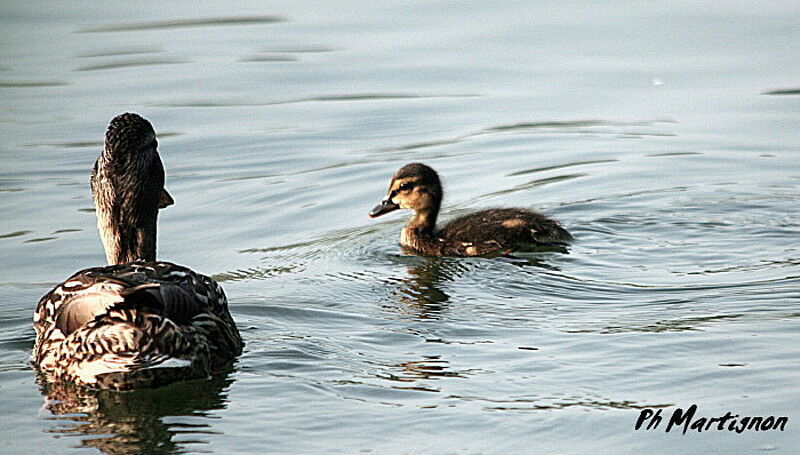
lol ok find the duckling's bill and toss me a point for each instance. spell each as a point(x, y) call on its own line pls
point(386, 206)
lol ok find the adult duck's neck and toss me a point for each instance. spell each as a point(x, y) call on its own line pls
point(127, 214)
point(128, 242)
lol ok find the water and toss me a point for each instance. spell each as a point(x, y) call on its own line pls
point(647, 129)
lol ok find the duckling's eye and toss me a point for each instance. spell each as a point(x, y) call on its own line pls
point(406, 186)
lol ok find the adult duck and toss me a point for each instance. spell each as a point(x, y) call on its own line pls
point(137, 322)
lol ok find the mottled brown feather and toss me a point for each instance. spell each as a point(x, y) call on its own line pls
point(137, 322)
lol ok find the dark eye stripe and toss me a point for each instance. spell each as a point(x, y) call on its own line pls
point(404, 187)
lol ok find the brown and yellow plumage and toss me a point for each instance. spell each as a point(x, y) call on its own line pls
point(487, 232)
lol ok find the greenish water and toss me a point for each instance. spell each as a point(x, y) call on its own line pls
point(663, 136)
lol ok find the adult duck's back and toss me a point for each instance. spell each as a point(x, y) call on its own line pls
point(142, 324)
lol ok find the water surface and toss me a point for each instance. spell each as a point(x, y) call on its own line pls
point(663, 136)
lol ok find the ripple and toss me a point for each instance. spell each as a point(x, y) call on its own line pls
point(674, 154)
point(32, 83)
point(559, 166)
point(668, 325)
point(31, 285)
point(328, 240)
point(300, 49)
point(532, 184)
point(555, 404)
point(269, 59)
point(549, 125)
point(15, 234)
point(380, 96)
point(257, 273)
point(760, 265)
point(41, 239)
point(126, 63)
point(784, 91)
point(120, 51)
point(583, 126)
point(186, 23)
point(66, 231)
point(89, 144)
point(312, 99)
point(289, 315)
point(420, 145)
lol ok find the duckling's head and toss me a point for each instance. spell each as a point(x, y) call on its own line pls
point(415, 187)
point(128, 189)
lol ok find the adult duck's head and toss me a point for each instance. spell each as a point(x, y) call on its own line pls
point(128, 190)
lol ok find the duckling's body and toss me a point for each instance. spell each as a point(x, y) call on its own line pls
point(136, 322)
point(486, 232)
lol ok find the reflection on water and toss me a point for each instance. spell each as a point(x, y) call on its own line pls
point(142, 421)
point(671, 325)
point(416, 374)
point(545, 404)
point(670, 154)
point(421, 292)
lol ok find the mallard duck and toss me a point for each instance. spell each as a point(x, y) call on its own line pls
point(136, 322)
point(487, 232)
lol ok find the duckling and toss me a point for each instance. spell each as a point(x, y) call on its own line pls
point(487, 232)
point(137, 322)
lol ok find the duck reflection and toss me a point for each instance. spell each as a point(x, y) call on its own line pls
point(422, 290)
point(432, 367)
point(140, 421)
point(418, 374)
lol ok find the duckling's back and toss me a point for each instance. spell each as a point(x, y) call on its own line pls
point(508, 228)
